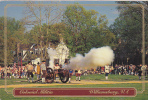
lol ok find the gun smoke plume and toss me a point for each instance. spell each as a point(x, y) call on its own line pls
point(95, 57)
point(51, 54)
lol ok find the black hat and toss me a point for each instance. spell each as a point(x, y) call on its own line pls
point(29, 62)
point(43, 61)
point(38, 63)
point(56, 63)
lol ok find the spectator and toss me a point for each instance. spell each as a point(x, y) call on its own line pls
point(15, 72)
point(116, 68)
point(112, 70)
point(2, 74)
point(119, 69)
point(0, 69)
point(8, 72)
point(124, 69)
point(139, 71)
point(136, 70)
point(147, 71)
point(13, 69)
point(85, 72)
point(25, 72)
point(144, 70)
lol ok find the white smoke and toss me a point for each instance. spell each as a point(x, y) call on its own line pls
point(51, 54)
point(95, 57)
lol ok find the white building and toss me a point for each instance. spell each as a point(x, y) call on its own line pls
point(62, 54)
point(36, 61)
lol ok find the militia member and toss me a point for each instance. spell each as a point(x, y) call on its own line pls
point(106, 71)
point(30, 70)
point(56, 68)
point(79, 74)
point(65, 65)
point(43, 68)
point(38, 71)
point(76, 74)
point(70, 74)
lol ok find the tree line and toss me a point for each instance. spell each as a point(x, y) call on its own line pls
point(80, 29)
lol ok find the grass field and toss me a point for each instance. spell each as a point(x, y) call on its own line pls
point(138, 86)
point(97, 77)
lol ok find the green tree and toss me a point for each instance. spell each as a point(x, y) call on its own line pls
point(128, 30)
point(84, 30)
point(15, 33)
point(1, 39)
point(51, 37)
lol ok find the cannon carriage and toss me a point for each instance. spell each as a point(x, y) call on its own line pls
point(51, 75)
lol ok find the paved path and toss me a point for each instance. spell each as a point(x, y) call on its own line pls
point(83, 82)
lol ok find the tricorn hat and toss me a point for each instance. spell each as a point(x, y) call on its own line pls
point(29, 62)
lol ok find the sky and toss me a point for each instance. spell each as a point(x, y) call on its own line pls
point(17, 12)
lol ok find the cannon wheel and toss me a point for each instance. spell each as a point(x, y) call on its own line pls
point(49, 76)
point(64, 77)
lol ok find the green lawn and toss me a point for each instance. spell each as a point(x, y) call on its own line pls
point(99, 77)
point(143, 96)
point(111, 77)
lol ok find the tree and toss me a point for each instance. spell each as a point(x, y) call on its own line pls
point(128, 30)
point(1, 39)
point(36, 15)
point(15, 32)
point(55, 32)
point(84, 31)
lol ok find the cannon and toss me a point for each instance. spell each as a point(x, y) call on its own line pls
point(51, 74)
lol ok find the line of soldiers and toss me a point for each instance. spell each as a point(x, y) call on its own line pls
point(40, 69)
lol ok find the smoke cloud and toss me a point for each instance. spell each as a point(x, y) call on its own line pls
point(51, 54)
point(95, 57)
